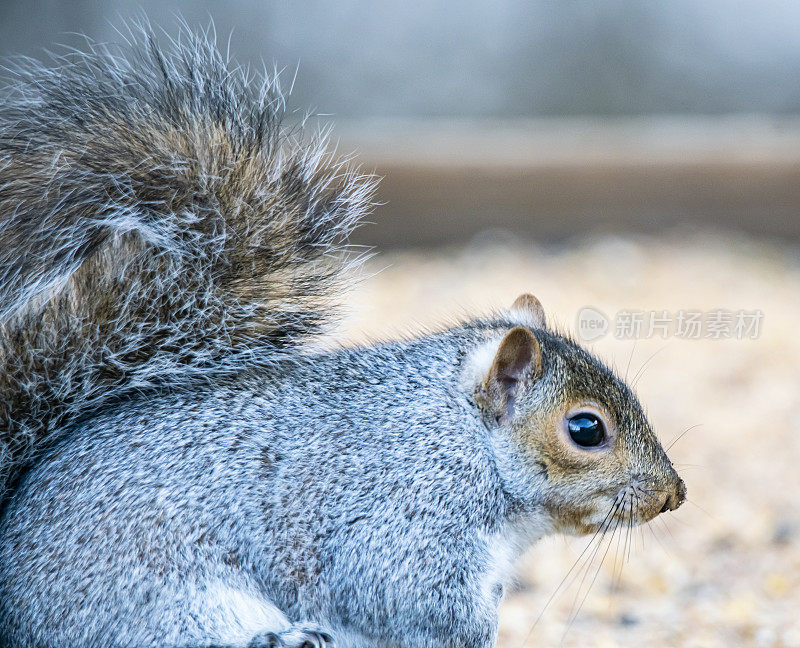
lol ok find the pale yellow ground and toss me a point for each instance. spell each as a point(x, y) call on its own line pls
point(724, 570)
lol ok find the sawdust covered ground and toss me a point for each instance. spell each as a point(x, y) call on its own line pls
point(724, 570)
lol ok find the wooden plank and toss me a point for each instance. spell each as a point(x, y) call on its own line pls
point(446, 182)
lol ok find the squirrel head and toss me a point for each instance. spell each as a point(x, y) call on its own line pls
point(580, 432)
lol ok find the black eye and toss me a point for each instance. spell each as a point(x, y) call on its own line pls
point(586, 429)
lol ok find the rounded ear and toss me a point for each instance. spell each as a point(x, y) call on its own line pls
point(527, 305)
point(516, 365)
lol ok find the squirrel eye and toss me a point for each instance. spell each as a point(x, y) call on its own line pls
point(586, 429)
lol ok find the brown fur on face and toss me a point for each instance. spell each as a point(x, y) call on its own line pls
point(627, 477)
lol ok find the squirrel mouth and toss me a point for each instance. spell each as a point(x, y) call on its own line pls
point(634, 504)
point(623, 513)
point(637, 504)
point(630, 507)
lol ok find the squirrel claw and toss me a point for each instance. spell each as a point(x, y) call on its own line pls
point(292, 639)
point(265, 640)
point(316, 640)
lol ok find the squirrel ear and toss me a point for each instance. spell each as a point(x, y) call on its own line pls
point(517, 363)
point(531, 308)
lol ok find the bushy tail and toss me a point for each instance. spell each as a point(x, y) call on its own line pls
point(158, 224)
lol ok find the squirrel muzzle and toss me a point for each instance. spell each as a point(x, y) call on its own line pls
point(676, 498)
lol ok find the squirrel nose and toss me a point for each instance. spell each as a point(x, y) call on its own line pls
point(677, 498)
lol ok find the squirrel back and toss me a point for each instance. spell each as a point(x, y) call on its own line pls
point(158, 226)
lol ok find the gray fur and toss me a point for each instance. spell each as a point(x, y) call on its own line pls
point(296, 489)
point(187, 472)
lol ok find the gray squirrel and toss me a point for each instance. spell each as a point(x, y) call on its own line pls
point(182, 465)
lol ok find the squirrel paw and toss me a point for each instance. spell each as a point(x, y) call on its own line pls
point(294, 638)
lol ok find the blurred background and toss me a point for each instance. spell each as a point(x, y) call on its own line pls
point(630, 157)
point(544, 117)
